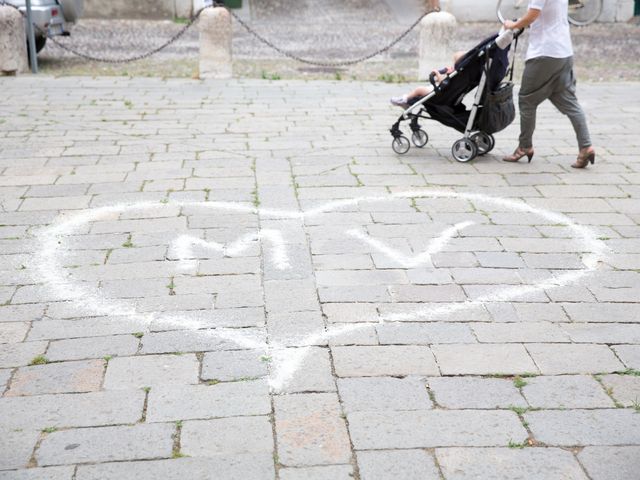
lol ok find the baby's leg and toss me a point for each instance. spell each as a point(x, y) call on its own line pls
point(421, 92)
point(408, 99)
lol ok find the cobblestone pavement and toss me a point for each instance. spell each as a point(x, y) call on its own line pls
point(240, 280)
point(334, 30)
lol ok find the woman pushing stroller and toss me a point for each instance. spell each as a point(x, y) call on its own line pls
point(548, 74)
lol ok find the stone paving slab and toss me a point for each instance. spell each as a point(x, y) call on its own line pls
point(585, 427)
point(50, 473)
point(407, 464)
point(625, 389)
point(504, 463)
point(311, 430)
point(428, 429)
point(629, 354)
point(124, 443)
point(362, 361)
point(482, 393)
point(382, 394)
point(151, 371)
point(234, 468)
point(96, 347)
point(202, 401)
point(66, 377)
point(19, 448)
point(211, 438)
point(566, 391)
point(71, 410)
point(611, 462)
point(243, 272)
point(331, 472)
point(473, 359)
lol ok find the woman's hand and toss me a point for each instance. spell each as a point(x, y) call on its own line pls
point(522, 23)
point(510, 24)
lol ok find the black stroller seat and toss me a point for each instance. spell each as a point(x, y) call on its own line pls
point(485, 67)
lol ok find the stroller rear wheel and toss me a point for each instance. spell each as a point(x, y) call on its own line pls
point(484, 141)
point(401, 145)
point(420, 138)
point(464, 150)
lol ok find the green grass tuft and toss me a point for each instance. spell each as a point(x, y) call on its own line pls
point(518, 382)
point(519, 410)
point(39, 360)
point(392, 78)
point(513, 444)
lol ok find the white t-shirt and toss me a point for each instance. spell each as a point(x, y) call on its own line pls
point(550, 35)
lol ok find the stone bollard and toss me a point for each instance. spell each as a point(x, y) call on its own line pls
point(617, 11)
point(215, 43)
point(13, 42)
point(436, 35)
point(183, 8)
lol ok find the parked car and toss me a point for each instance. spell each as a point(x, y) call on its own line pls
point(55, 17)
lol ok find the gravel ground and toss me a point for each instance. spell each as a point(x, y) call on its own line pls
point(335, 30)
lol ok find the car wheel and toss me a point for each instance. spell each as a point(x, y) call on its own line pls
point(40, 43)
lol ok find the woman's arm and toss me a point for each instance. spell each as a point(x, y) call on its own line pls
point(522, 23)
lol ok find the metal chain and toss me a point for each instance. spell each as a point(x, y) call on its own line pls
point(135, 58)
point(343, 63)
point(246, 26)
point(5, 4)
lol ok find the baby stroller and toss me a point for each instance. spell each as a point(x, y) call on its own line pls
point(485, 66)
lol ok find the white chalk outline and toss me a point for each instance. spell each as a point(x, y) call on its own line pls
point(288, 360)
point(182, 248)
point(435, 246)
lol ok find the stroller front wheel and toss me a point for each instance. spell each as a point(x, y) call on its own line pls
point(484, 141)
point(401, 145)
point(464, 150)
point(420, 138)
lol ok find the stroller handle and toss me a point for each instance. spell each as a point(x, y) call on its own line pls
point(501, 18)
point(499, 13)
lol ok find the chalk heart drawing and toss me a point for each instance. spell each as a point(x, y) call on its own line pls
point(286, 361)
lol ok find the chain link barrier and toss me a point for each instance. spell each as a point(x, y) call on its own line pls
point(246, 26)
point(6, 4)
point(134, 58)
point(92, 58)
point(342, 63)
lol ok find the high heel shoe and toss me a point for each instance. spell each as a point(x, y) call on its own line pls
point(518, 154)
point(585, 157)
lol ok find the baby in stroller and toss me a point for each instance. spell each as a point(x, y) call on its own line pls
point(405, 101)
point(483, 69)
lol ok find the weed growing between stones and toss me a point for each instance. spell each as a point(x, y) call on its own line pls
point(39, 360)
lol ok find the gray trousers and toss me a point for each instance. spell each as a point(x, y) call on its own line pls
point(550, 78)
